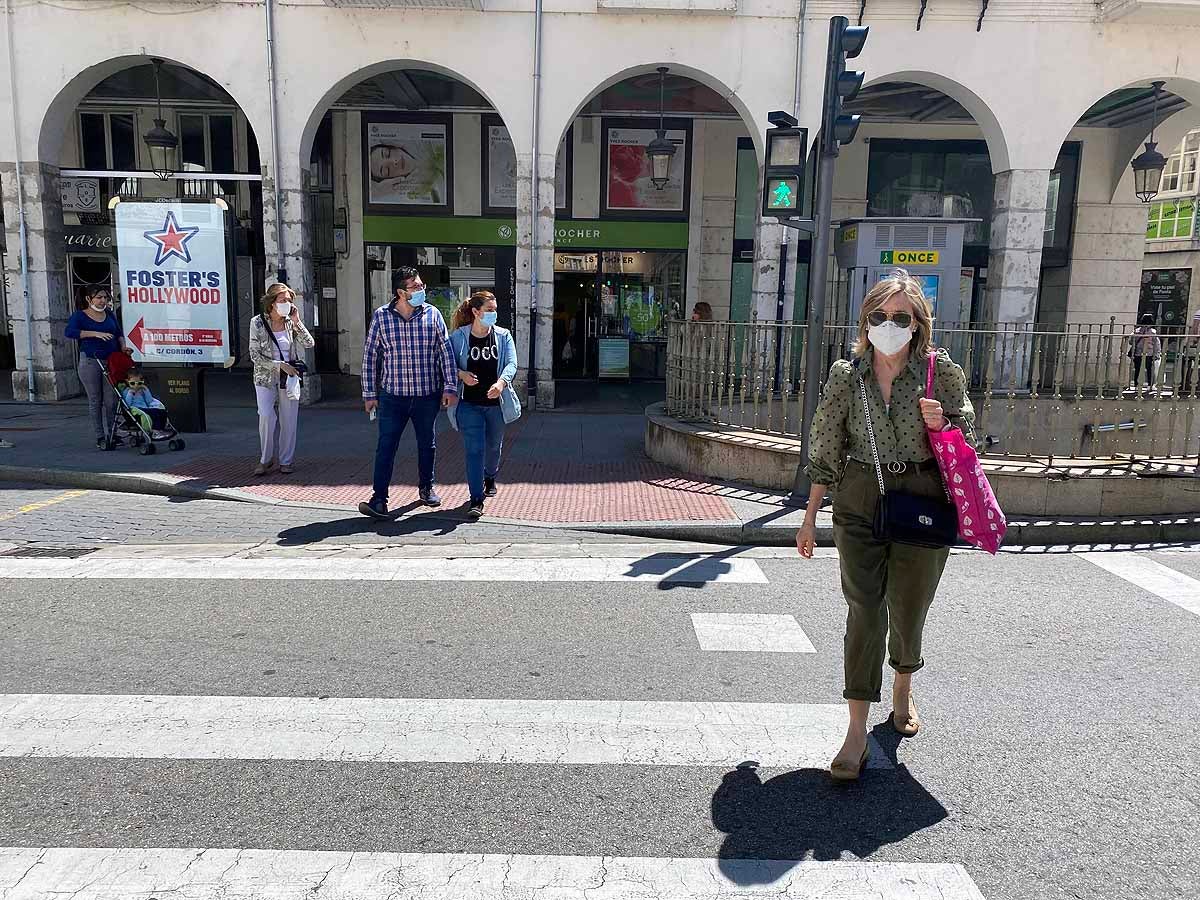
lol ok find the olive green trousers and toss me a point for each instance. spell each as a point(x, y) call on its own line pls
point(888, 587)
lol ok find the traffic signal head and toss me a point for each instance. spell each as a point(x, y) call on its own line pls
point(783, 181)
point(846, 41)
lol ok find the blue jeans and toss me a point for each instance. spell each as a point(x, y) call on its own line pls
point(394, 413)
point(482, 430)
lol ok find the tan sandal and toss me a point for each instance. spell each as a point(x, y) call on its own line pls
point(911, 724)
point(261, 469)
point(842, 771)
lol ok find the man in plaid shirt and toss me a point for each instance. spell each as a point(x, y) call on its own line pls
point(408, 372)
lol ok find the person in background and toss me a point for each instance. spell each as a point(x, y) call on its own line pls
point(702, 312)
point(487, 364)
point(408, 372)
point(275, 336)
point(99, 335)
point(1191, 350)
point(1145, 349)
point(138, 398)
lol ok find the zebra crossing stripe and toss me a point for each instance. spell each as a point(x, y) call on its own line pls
point(233, 874)
point(615, 732)
point(655, 569)
point(751, 632)
point(1151, 576)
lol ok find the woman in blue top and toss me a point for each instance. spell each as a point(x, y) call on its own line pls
point(487, 364)
point(99, 335)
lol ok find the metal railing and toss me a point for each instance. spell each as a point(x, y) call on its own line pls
point(1039, 393)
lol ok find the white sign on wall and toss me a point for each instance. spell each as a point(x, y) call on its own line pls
point(80, 194)
point(173, 281)
point(502, 170)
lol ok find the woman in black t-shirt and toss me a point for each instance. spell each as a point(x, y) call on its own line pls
point(487, 363)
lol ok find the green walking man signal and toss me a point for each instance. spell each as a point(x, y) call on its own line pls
point(782, 197)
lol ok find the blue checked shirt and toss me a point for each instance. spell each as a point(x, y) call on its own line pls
point(408, 357)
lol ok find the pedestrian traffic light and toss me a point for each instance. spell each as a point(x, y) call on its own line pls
point(841, 85)
point(783, 181)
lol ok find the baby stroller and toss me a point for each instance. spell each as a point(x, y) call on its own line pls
point(126, 424)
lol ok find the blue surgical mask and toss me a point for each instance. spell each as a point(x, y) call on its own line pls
point(489, 318)
point(417, 298)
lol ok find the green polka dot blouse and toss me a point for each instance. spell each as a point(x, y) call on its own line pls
point(839, 429)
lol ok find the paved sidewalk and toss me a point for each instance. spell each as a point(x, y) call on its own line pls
point(559, 469)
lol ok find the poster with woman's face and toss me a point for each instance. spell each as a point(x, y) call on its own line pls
point(629, 186)
point(406, 164)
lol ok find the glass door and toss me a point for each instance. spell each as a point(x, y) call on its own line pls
point(575, 313)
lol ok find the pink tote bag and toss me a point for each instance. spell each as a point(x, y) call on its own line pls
point(980, 520)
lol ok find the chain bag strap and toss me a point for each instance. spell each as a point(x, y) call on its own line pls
point(904, 518)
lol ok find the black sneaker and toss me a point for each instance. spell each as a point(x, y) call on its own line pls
point(489, 487)
point(475, 511)
point(376, 509)
point(429, 497)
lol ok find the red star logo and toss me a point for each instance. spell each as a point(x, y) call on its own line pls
point(172, 240)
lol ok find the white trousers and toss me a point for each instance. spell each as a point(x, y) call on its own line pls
point(276, 412)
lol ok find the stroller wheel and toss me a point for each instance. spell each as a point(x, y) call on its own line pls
point(177, 444)
point(147, 449)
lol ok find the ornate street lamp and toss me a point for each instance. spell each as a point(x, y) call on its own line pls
point(660, 150)
point(164, 146)
point(1149, 164)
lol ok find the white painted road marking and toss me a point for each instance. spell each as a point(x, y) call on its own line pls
point(653, 569)
point(751, 632)
point(1143, 572)
point(365, 729)
point(232, 874)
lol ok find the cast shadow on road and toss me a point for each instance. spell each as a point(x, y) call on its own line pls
point(770, 825)
point(315, 532)
point(700, 568)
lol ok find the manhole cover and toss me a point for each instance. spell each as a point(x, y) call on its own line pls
point(50, 552)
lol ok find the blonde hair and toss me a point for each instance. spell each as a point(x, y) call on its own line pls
point(899, 282)
point(464, 313)
point(268, 299)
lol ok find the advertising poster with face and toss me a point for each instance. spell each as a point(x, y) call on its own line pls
point(406, 164)
point(629, 186)
point(502, 171)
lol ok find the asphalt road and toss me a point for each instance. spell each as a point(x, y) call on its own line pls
point(1058, 757)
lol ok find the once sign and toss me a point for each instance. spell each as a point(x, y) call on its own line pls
point(173, 281)
point(908, 257)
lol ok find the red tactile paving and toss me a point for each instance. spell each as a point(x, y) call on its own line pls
point(632, 491)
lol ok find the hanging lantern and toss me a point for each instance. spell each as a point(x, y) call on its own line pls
point(163, 145)
point(1149, 164)
point(660, 151)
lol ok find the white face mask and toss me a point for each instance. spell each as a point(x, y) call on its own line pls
point(99, 305)
point(283, 308)
point(889, 338)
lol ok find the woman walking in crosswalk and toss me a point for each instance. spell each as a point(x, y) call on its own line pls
point(889, 584)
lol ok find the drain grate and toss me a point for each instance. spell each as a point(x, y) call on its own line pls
point(49, 552)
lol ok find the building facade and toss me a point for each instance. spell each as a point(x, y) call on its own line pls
point(495, 147)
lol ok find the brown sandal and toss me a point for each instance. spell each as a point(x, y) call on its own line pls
point(840, 771)
point(912, 722)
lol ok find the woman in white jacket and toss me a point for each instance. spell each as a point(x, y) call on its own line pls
point(276, 338)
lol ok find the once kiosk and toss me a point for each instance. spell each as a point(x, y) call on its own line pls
point(930, 249)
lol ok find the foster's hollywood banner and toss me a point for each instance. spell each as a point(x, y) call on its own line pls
point(174, 287)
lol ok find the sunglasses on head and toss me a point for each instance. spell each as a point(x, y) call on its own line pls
point(903, 319)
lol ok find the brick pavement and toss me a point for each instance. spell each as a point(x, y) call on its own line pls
point(567, 468)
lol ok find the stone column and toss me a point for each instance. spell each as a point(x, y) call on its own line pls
point(48, 283)
point(535, 239)
point(1015, 254)
point(293, 232)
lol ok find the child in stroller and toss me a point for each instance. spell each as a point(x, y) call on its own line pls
point(142, 416)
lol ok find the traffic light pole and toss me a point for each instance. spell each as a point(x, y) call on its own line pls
point(814, 339)
point(841, 85)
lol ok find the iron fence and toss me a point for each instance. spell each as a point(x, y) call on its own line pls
point(1039, 393)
